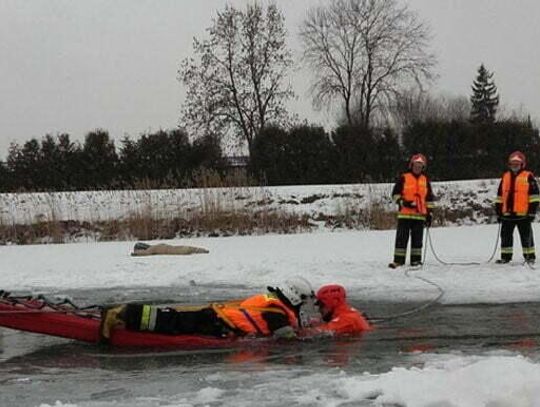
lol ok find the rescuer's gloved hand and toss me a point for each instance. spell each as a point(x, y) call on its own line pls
point(428, 220)
point(286, 332)
point(407, 204)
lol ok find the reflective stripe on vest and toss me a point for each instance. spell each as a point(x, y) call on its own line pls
point(252, 321)
point(414, 190)
point(521, 193)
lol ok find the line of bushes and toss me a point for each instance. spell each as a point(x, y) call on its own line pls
point(455, 149)
point(301, 155)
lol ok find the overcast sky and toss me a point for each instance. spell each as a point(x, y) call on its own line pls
point(73, 66)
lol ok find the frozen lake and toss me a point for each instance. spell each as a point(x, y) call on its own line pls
point(477, 346)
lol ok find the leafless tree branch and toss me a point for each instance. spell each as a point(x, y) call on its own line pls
point(363, 52)
point(237, 80)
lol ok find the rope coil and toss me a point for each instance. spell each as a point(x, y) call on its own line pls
point(429, 242)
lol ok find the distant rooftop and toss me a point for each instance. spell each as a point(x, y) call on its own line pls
point(237, 161)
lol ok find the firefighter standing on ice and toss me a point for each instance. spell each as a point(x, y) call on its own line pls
point(516, 205)
point(414, 196)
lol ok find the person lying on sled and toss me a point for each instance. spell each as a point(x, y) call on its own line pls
point(279, 312)
point(338, 317)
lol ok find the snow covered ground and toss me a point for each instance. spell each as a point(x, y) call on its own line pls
point(355, 259)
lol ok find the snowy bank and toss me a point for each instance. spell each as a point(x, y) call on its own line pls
point(461, 202)
point(357, 260)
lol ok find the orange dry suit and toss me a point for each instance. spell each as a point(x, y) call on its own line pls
point(346, 320)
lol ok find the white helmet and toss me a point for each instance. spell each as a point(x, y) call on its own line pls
point(295, 291)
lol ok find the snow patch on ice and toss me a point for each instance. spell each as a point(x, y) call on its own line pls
point(460, 381)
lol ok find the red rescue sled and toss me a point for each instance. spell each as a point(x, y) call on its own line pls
point(69, 321)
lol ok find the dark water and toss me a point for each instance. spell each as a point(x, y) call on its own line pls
point(36, 370)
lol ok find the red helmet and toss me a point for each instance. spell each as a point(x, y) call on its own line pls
point(331, 296)
point(518, 156)
point(418, 158)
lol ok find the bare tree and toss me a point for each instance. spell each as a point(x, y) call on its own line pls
point(236, 81)
point(413, 105)
point(363, 52)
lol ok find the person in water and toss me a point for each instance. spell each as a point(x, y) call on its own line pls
point(279, 312)
point(338, 317)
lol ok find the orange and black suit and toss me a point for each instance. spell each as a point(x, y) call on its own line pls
point(259, 315)
point(414, 196)
point(516, 205)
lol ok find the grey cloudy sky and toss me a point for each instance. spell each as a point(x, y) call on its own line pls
point(73, 66)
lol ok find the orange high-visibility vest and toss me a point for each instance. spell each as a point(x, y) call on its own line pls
point(414, 190)
point(247, 316)
point(521, 193)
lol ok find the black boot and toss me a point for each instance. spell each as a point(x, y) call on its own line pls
point(110, 318)
point(395, 265)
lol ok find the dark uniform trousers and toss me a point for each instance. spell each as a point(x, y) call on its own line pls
point(169, 321)
point(415, 228)
point(525, 233)
point(203, 321)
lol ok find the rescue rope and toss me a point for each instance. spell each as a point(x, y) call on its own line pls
point(429, 242)
point(414, 310)
point(472, 263)
point(422, 307)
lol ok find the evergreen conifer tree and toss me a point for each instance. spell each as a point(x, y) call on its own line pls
point(484, 100)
